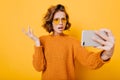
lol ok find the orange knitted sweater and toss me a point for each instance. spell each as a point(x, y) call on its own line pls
point(57, 54)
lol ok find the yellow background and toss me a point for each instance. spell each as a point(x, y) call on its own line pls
point(16, 49)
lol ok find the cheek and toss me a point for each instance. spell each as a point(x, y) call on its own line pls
point(54, 27)
point(53, 24)
point(64, 25)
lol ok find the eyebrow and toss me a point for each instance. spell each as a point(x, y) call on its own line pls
point(58, 18)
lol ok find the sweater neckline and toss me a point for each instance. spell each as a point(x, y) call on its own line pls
point(62, 35)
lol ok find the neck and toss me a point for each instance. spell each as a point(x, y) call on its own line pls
point(57, 34)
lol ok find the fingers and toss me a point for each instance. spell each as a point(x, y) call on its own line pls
point(109, 34)
point(105, 34)
point(29, 29)
point(106, 47)
point(100, 41)
point(101, 35)
point(23, 30)
point(29, 32)
point(103, 48)
point(100, 47)
point(106, 40)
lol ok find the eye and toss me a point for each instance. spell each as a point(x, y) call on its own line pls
point(56, 19)
point(64, 19)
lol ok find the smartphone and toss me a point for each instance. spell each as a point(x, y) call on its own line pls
point(86, 38)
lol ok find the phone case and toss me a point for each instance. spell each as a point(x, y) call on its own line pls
point(87, 36)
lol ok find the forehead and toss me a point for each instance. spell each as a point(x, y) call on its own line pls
point(59, 14)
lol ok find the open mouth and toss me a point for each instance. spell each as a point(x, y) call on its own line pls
point(60, 27)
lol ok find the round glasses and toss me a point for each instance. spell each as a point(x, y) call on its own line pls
point(57, 20)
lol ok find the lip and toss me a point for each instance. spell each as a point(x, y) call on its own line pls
point(60, 27)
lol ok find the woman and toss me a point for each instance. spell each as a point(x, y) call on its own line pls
point(55, 54)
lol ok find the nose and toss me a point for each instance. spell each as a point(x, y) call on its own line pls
point(60, 22)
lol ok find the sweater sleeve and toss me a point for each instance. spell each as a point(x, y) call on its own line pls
point(88, 59)
point(39, 59)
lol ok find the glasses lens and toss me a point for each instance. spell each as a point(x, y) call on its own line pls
point(57, 21)
point(63, 20)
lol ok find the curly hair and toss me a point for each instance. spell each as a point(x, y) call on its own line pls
point(48, 18)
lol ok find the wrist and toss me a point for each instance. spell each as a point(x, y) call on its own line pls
point(37, 43)
point(104, 56)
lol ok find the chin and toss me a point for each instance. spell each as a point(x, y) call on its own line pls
point(60, 32)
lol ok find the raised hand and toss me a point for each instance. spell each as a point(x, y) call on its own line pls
point(31, 35)
point(107, 42)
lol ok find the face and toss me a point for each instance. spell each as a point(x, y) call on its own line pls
point(59, 22)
